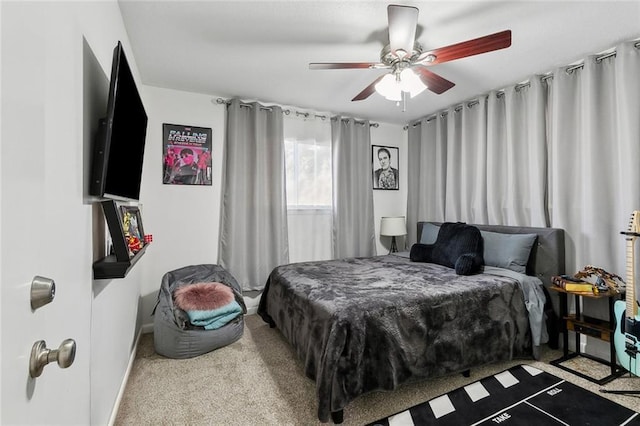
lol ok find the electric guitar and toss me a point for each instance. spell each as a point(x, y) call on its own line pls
point(627, 333)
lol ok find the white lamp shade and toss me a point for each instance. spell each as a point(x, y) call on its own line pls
point(389, 88)
point(411, 82)
point(393, 226)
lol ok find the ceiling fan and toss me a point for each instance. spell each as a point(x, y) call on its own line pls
point(407, 61)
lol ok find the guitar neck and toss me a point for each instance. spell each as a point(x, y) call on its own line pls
point(630, 288)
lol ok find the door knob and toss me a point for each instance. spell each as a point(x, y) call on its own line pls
point(41, 356)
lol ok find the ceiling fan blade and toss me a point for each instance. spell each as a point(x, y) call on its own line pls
point(344, 65)
point(433, 81)
point(368, 91)
point(402, 27)
point(476, 46)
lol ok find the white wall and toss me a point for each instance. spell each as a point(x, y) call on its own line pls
point(183, 219)
point(114, 304)
point(385, 202)
point(115, 320)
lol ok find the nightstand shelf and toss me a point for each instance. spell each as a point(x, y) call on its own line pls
point(594, 327)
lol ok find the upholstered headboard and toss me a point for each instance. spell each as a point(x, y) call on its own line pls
point(547, 254)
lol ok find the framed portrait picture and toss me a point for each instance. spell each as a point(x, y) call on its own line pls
point(384, 166)
point(186, 155)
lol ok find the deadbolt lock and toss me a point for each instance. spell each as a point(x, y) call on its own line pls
point(43, 290)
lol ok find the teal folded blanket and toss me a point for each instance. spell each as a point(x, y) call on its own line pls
point(215, 318)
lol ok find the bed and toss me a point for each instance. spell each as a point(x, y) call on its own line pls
point(366, 324)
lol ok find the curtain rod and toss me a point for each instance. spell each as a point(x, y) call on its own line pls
point(362, 122)
point(289, 111)
point(500, 93)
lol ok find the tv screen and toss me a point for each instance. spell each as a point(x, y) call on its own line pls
point(119, 148)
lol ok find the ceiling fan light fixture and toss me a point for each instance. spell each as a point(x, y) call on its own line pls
point(410, 82)
point(389, 88)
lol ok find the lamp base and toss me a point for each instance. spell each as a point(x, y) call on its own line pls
point(394, 246)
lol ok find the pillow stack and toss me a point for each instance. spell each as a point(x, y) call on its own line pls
point(208, 305)
point(507, 251)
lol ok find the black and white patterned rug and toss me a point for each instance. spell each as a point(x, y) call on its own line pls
point(522, 395)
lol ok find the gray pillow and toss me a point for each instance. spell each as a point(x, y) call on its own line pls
point(508, 251)
point(429, 233)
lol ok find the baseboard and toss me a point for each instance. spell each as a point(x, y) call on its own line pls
point(252, 304)
point(597, 348)
point(125, 379)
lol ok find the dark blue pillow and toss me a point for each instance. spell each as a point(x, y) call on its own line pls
point(465, 264)
point(421, 252)
point(456, 240)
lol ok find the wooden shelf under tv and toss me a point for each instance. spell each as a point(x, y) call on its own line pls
point(109, 267)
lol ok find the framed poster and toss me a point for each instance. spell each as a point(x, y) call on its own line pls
point(186, 155)
point(384, 166)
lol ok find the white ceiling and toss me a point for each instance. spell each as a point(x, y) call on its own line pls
point(260, 50)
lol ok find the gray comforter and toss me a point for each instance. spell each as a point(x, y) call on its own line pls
point(368, 324)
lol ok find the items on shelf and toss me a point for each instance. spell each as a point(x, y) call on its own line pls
point(128, 240)
point(569, 283)
point(603, 279)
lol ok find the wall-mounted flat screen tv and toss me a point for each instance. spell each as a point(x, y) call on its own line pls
point(116, 171)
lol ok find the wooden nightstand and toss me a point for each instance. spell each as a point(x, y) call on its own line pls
point(581, 324)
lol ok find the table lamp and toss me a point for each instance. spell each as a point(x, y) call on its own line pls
point(393, 227)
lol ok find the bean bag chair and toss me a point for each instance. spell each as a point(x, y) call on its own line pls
point(179, 333)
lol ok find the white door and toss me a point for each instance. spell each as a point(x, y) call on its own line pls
point(44, 226)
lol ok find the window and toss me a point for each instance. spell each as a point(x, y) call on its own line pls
point(308, 164)
point(307, 147)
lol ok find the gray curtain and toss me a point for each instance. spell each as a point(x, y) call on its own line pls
point(560, 152)
point(426, 163)
point(253, 237)
point(594, 153)
point(482, 162)
point(353, 223)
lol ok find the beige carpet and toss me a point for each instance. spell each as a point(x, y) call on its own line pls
point(259, 381)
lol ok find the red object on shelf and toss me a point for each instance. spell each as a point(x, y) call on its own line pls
point(148, 238)
point(134, 244)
